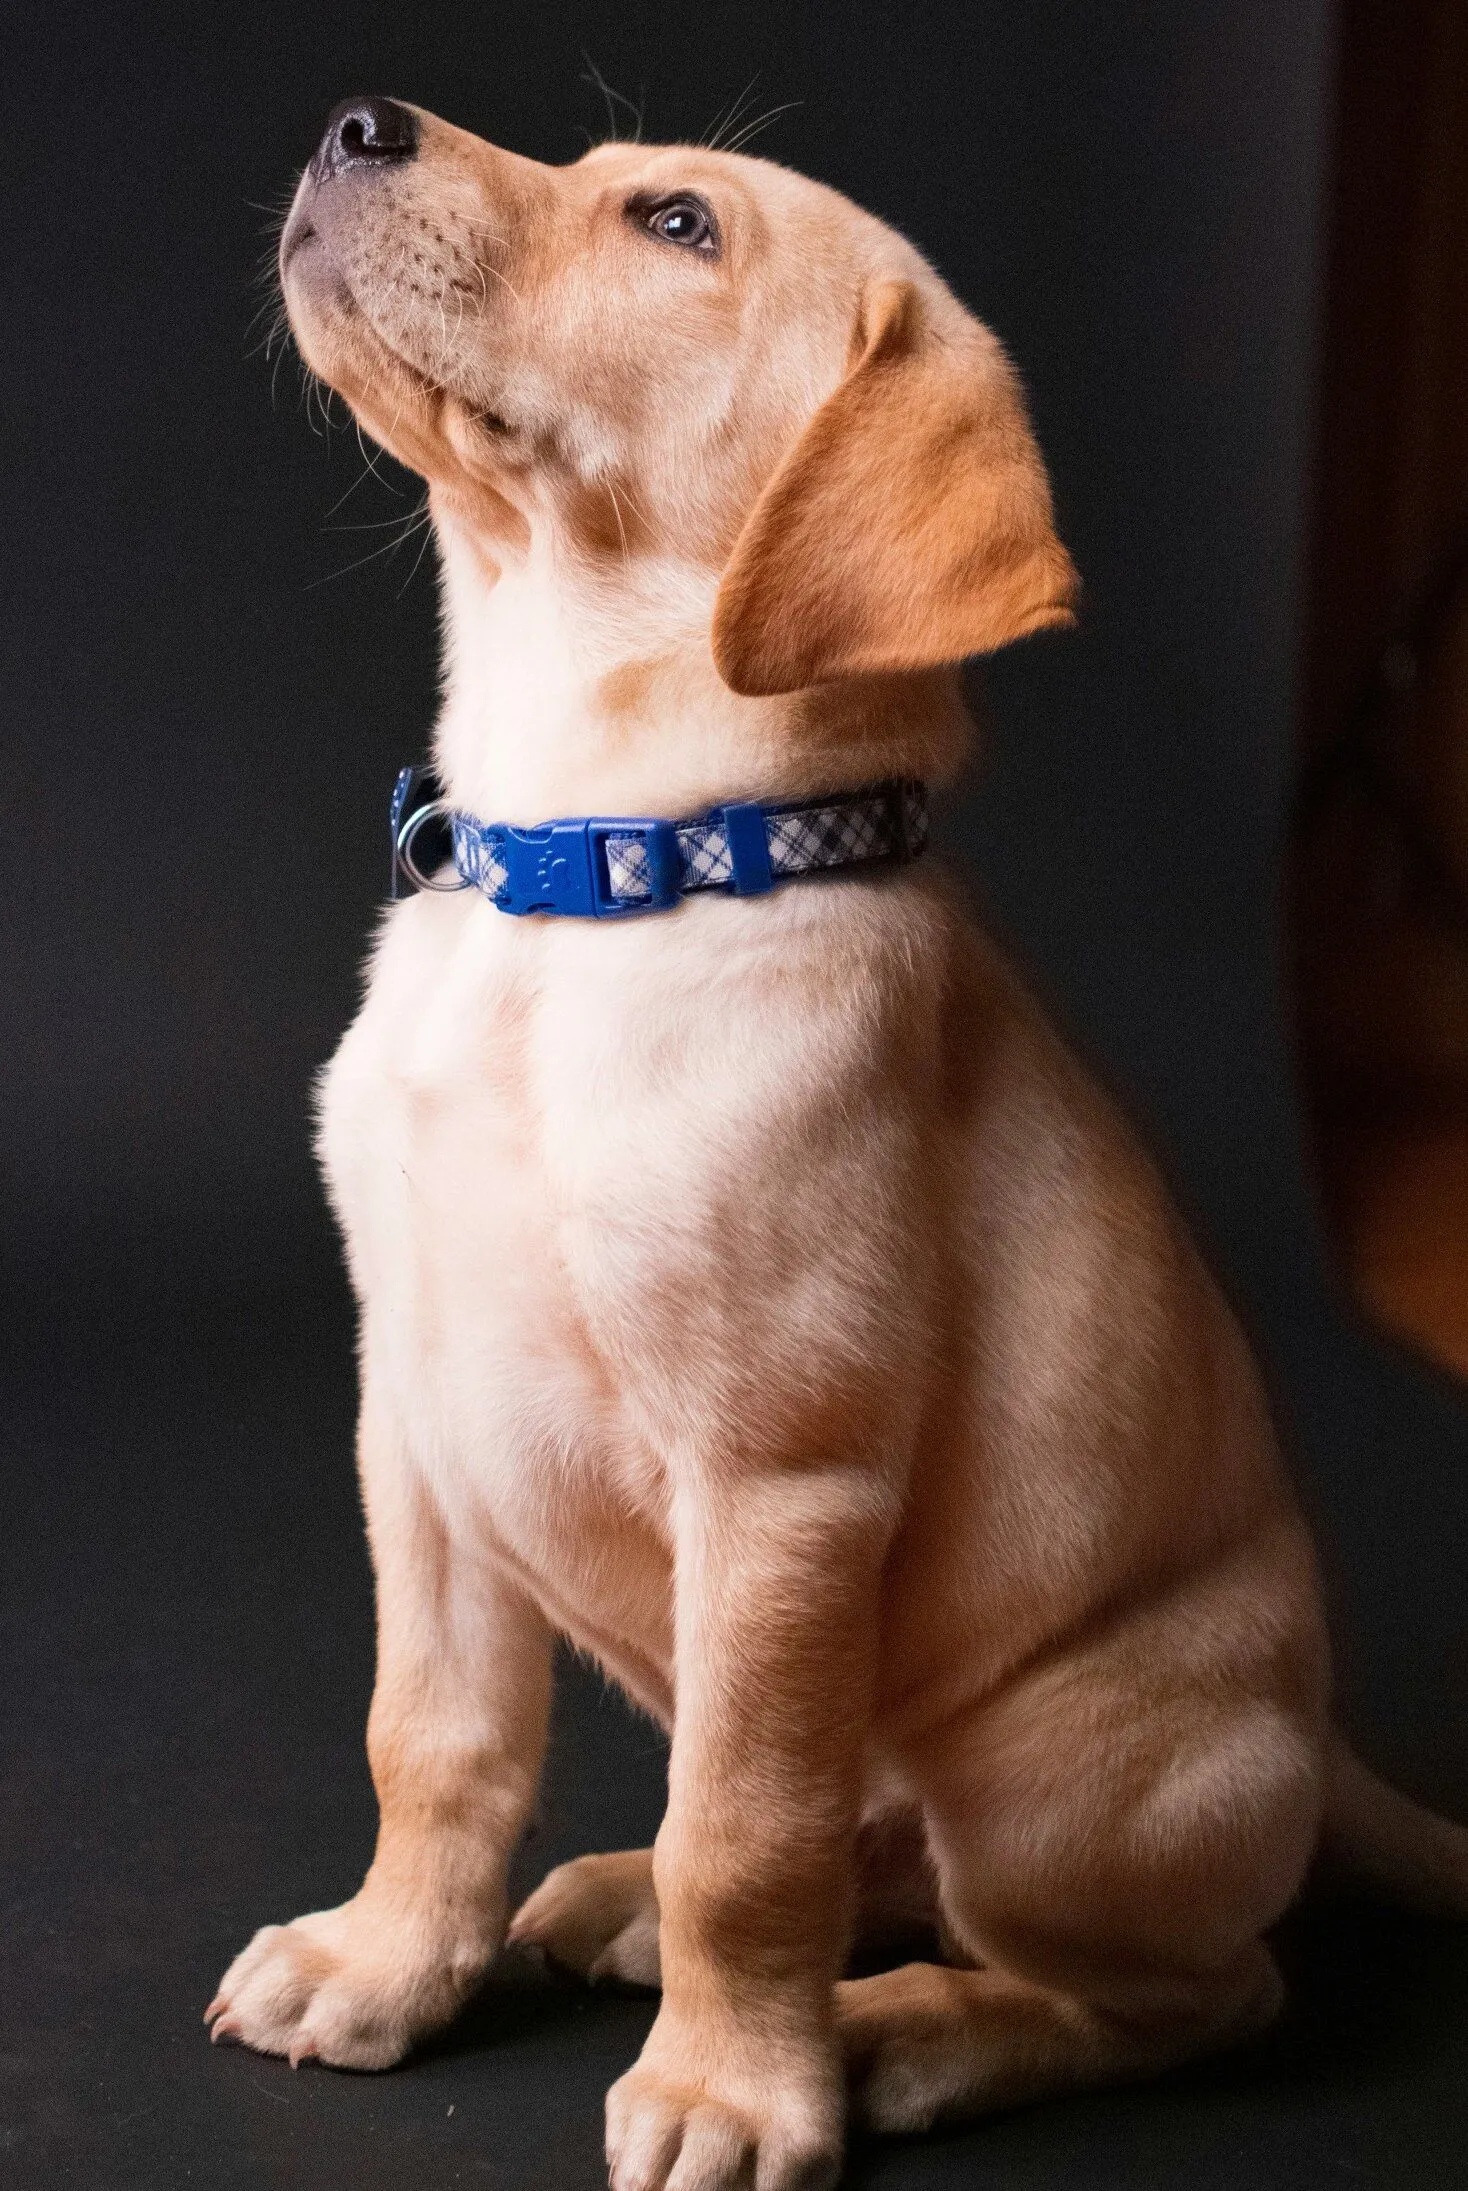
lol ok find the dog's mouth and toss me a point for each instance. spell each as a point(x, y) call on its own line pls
point(293, 241)
point(344, 340)
point(301, 229)
point(329, 312)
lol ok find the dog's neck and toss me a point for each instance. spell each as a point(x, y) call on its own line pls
point(576, 690)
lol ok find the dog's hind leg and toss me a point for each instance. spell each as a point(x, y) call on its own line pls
point(597, 1915)
point(1111, 1839)
point(926, 2043)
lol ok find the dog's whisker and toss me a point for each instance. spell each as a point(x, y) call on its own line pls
point(416, 522)
point(621, 528)
point(636, 507)
point(369, 471)
point(276, 215)
point(505, 283)
point(399, 518)
point(593, 75)
point(440, 368)
point(459, 320)
point(613, 100)
point(762, 122)
point(266, 346)
point(279, 326)
point(727, 116)
point(455, 216)
point(317, 394)
point(427, 532)
point(282, 352)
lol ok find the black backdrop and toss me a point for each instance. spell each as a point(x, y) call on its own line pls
point(204, 711)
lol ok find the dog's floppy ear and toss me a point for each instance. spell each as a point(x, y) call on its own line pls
point(909, 525)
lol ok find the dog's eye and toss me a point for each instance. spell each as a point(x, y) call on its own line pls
point(686, 221)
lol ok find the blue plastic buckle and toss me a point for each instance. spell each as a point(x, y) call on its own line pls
point(562, 868)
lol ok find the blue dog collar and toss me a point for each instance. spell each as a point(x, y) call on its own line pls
point(599, 867)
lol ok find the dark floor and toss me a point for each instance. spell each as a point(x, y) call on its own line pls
point(188, 1629)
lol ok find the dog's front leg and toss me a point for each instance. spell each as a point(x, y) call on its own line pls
point(455, 1738)
point(740, 2080)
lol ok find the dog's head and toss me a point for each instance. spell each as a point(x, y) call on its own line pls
point(688, 355)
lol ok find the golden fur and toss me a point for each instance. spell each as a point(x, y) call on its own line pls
point(759, 1294)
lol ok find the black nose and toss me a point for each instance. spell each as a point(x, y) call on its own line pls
point(366, 133)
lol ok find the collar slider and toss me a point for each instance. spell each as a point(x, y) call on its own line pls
point(749, 847)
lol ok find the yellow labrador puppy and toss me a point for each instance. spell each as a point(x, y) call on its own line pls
point(755, 1291)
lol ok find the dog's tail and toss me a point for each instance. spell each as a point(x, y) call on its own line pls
point(1386, 1841)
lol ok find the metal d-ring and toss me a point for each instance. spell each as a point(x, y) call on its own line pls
point(409, 865)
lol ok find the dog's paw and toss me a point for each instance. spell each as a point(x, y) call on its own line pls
point(338, 1987)
point(772, 2124)
point(907, 2045)
point(598, 1916)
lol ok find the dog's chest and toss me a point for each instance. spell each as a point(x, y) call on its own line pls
point(570, 1166)
point(433, 1139)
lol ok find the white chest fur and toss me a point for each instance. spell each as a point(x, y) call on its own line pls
point(596, 1187)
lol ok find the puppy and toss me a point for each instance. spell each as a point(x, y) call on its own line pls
point(756, 1292)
